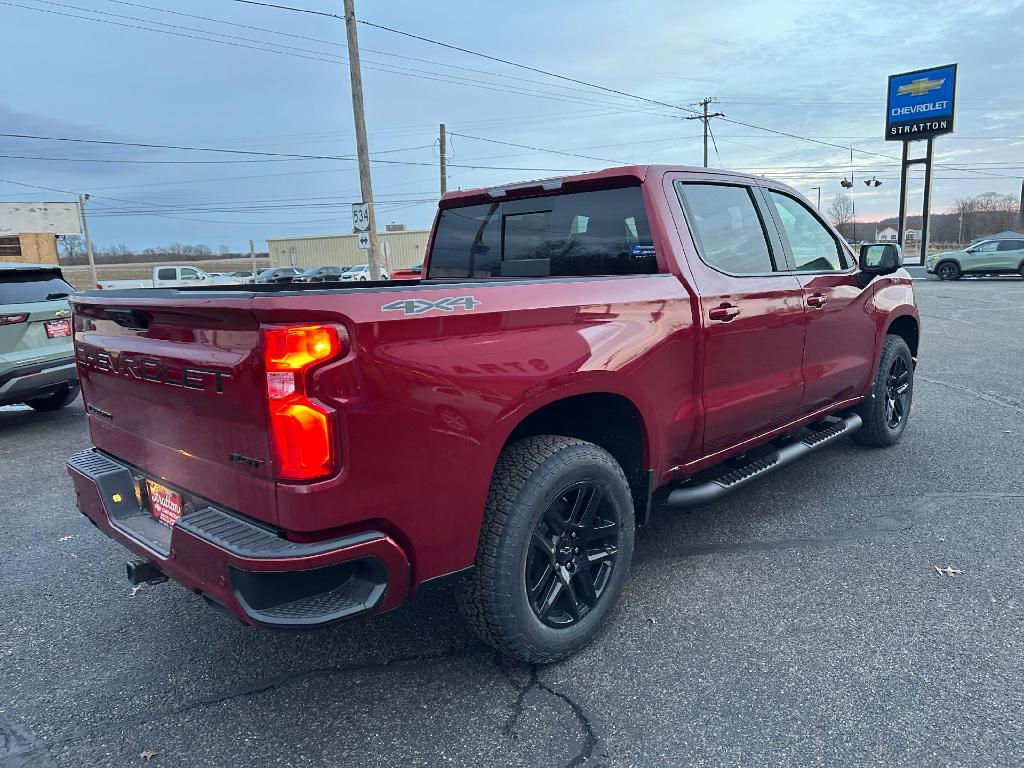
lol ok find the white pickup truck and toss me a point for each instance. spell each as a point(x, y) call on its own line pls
point(170, 276)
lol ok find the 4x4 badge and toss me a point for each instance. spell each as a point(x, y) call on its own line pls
point(419, 306)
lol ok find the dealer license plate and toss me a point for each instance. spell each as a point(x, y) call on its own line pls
point(58, 329)
point(164, 504)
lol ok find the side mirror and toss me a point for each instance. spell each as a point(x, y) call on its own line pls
point(880, 259)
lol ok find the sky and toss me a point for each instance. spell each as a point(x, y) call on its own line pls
point(276, 81)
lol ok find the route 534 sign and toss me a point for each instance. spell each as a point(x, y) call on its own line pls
point(360, 217)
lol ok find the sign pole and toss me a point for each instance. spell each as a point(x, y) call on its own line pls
point(926, 206)
point(904, 172)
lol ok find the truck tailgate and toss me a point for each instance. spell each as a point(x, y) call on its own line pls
point(175, 386)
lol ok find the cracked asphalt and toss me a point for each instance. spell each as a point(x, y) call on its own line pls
point(801, 622)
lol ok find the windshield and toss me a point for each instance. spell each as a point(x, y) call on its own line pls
point(312, 271)
point(31, 285)
point(356, 268)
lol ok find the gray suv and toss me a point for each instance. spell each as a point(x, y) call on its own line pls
point(37, 358)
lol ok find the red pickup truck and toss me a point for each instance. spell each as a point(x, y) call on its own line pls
point(576, 347)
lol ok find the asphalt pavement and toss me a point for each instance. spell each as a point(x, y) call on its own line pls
point(800, 622)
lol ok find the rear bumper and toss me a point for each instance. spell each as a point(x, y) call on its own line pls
point(21, 384)
point(244, 567)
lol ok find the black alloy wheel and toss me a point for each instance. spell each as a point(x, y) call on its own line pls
point(897, 386)
point(948, 271)
point(572, 555)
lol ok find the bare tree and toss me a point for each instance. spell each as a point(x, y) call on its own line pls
point(71, 247)
point(965, 209)
point(840, 212)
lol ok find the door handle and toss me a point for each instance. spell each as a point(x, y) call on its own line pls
point(817, 300)
point(724, 312)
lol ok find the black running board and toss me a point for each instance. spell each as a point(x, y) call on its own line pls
point(712, 490)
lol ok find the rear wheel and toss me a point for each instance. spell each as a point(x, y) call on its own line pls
point(948, 270)
point(887, 408)
point(555, 547)
point(55, 400)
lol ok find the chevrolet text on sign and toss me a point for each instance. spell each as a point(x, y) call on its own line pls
point(921, 104)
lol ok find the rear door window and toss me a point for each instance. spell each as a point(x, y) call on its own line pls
point(28, 286)
point(603, 232)
point(727, 228)
point(1010, 245)
point(165, 273)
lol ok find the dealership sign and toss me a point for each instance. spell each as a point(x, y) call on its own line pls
point(921, 104)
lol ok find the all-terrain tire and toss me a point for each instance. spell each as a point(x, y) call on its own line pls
point(878, 429)
point(55, 400)
point(530, 476)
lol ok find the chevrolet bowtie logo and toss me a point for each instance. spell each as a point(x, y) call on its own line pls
point(919, 87)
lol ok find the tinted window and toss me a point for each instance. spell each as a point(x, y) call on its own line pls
point(813, 247)
point(167, 273)
point(604, 232)
point(23, 287)
point(727, 227)
point(1010, 245)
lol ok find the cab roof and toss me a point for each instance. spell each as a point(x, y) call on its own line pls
point(18, 265)
point(609, 177)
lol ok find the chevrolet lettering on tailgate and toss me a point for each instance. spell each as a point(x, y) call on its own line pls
point(154, 369)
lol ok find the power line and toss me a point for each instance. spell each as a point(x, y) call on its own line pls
point(537, 149)
point(293, 156)
point(309, 54)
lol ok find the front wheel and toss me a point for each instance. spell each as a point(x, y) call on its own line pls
point(887, 408)
point(948, 271)
point(554, 550)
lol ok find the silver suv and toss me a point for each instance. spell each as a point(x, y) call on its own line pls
point(37, 358)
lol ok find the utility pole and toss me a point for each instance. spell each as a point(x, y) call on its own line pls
point(252, 258)
point(362, 149)
point(1020, 211)
point(442, 151)
point(706, 119)
point(88, 240)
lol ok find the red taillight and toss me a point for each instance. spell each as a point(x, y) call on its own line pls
point(300, 428)
point(21, 317)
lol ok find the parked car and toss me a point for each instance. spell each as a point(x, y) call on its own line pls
point(409, 273)
point(278, 275)
point(989, 257)
point(37, 360)
point(361, 272)
point(320, 275)
point(169, 276)
point(243, 277)
point(578, 347)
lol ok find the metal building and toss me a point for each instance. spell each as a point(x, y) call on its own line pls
point(28, 231)
point(400, 249)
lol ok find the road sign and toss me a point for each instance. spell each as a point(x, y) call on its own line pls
point(363, 241)
point(921, 104)
point(360, 217)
